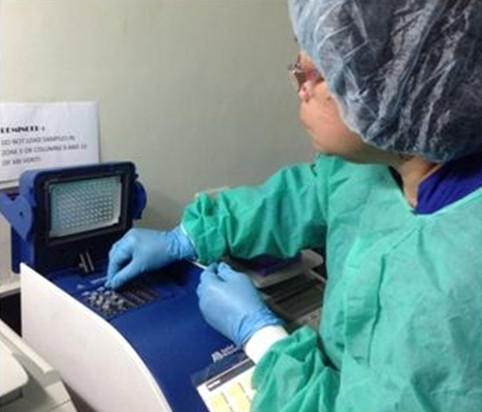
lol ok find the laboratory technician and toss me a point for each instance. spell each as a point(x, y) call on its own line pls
point(390, 93)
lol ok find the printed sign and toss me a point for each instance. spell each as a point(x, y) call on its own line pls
point(38, 135)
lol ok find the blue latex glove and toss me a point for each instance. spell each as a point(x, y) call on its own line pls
point(231, 304)
point(143, 250)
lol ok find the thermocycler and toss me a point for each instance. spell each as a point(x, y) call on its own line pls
point(131, 350)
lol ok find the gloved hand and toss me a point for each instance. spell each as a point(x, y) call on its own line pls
point(143, 250)
point(231, 304)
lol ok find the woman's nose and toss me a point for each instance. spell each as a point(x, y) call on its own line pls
point(304, 92)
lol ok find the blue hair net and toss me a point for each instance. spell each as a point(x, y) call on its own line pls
point(407, 74)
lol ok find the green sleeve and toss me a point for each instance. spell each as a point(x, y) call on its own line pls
point(293, 376)
point(281, 217)
point(432, 364)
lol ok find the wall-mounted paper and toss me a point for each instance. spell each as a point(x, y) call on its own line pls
point(37, 135)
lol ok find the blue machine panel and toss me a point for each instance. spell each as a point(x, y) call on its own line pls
point(159, 316)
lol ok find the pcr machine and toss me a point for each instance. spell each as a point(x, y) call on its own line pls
point(139, 348)
point(119, 351)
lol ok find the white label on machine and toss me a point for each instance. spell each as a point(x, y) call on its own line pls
point(229, 390)
point(38, 135)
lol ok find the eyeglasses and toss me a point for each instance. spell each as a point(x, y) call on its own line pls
point(299, 75)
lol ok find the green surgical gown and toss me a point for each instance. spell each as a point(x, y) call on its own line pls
point(401, 325)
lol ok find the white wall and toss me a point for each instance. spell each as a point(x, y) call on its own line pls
point(195, 92)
